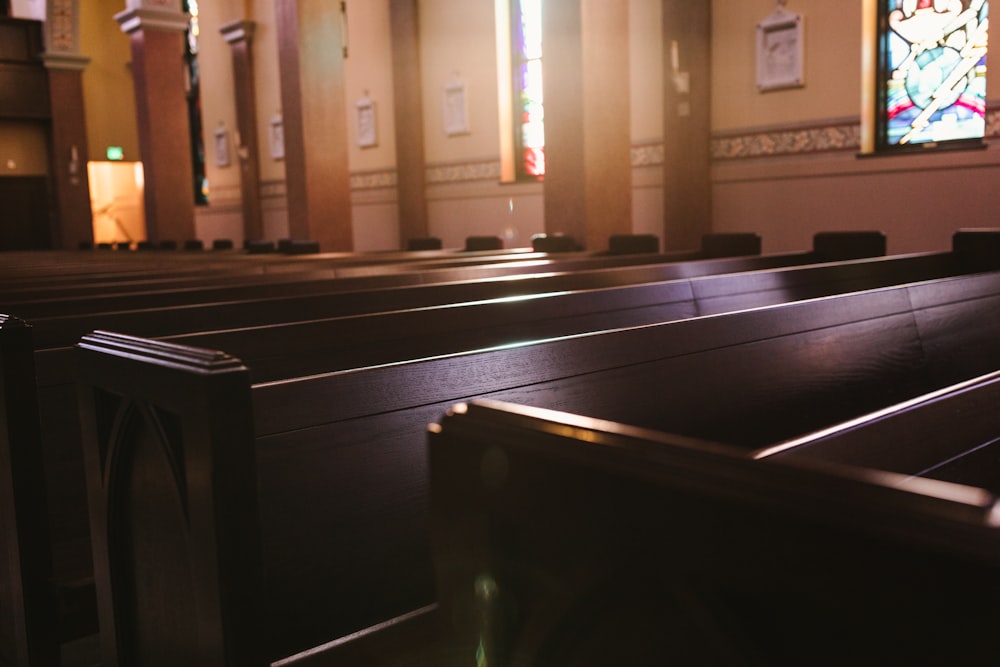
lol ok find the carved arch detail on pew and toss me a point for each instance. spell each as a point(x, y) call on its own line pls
point(120, 422)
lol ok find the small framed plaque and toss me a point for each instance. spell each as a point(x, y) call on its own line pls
point(277, 138)
point(780, 50)
point(456, 110)
point(221, 146)
point(367, 129)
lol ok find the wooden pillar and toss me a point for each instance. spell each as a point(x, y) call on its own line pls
point(687, 190)
point(239, 34)
point(157, 35)
point(588, 172)
point(313, 99)
point(68, 146)
point(408, 113)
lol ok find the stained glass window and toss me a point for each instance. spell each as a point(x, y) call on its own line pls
point(192, 76)
point(529, 114)
point(932, 72)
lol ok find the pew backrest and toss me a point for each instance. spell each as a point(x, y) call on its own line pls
point(557, 534)
point(342, 455)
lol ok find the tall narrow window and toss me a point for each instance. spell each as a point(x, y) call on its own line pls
point(193, 81)
point(529, 110)
point(931, 73)
point(519, 89)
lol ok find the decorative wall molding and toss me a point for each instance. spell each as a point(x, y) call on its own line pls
point(463, 172)
point(62, 32)
point(375, 179)
point(223, 194)
point(834, 135)
point(272, 189)
point(992, 123)
point(648, 154)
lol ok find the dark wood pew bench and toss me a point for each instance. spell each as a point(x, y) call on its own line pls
point(237, 307)
point(113, 289)
point(286, 350)
point(564, 539)
point(339, 458)
point(951, 435)
point(316, 281)
point(358, 341)
point(56, 418)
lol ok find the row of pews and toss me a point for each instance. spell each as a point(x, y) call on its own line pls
point(252, 473)
point(49, 596)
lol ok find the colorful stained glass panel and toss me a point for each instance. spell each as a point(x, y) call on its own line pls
point(528, 93)
point(935, 78)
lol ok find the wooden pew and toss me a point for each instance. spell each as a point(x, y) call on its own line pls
point(58, 293)
point(323, 280)
point(214, 310)
point(26, 624)
point(352, 441)
point(565, 539)
point(55, 417)
point(57, 402)
point(38, 610)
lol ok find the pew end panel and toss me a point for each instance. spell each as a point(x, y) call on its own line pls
point(28, 618)
point(560, 537)
point(168, 444)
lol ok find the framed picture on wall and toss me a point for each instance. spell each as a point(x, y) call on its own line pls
point(780, 51)
point(277, 138)
point(221, 147)
point(456, 110)
point(366, 123)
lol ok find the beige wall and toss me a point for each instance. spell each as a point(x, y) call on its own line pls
point(267, 83)
point(457, 42)
point(832, 64)
point(785, 196)
point(218, 109)
point(802, 173)
point(368, 73)
point(109, 97)
point(646, 69)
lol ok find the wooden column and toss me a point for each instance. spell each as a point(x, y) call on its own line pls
point(687, 190)
point(68, 144)
point(69, 152)
point(157, 35)
point(313, 99)
point(588, 172)
point(411, 184)
point(239, 34)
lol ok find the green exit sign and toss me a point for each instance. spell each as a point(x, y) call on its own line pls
point(115, 153)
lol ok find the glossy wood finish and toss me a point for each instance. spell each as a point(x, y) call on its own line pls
point(28, 617)
point(558, 536)
point(352, 441)
point(196, 575)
